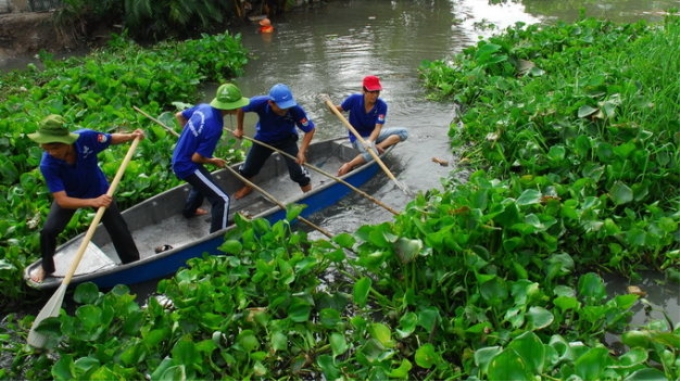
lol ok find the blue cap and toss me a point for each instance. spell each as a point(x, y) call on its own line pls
point(282, 96)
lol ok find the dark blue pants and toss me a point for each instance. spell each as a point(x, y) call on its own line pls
point(259, 154)
point(113, 221)
point(204, 186)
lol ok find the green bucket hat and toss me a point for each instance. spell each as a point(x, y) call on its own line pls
point(228, 97)
point(52, 130)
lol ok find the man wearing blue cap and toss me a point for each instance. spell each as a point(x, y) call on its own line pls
point(279, 115)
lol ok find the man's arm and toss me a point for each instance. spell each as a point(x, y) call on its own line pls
point(181, 119)
point(200, 159)
point(306, 139)
point(117, 138)
point(66, 202)
point(375, 133)
point(240, 116)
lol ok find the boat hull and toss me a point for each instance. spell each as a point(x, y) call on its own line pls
point(158, 220)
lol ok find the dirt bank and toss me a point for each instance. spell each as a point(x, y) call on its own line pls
point(27, 33)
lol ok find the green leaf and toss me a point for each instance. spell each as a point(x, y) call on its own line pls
point(529, 346)
point(86, 293)
point(592, 289)
point(279, 341)
point(407, 325)
point(483, 357)
point(64, 369)
point(508, 365)
point(647, 374)
point(248, 341)
point(408, 249)
point(233, 247)
point(344, 240)
point(361, 289)
point(428, 317)
point(184, 351)
point(173, 373)
point(427, 356)
point(294, 210)
point(631, 359)
point(330, 318)
point(529, 197)
point(328, 367)
point(382, 334)
point(402, 371)
point(586, 110)
point(299, 311)
point(338, 344)
point(539, 318)
point(621, 193)
point(103, 374)
point(592, 364)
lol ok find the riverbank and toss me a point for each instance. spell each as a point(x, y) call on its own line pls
point(30, 32)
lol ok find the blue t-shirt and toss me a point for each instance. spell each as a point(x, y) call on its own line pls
point(84, 179)
point(200, 135)
point(362, 121)
point(272, 127)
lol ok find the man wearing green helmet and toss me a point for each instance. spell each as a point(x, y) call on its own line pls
point(203, 126)
point(71, 170)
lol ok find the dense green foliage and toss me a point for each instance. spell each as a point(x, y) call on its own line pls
point(492, 279)
point(585, 117)
point(148, 20)
point(98, 92)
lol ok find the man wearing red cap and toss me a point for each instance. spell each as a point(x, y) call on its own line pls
point(367, 115)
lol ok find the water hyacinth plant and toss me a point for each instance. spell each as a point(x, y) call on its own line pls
point(98, 91)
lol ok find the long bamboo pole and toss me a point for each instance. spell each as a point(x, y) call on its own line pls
point(246, 181)
point(53, 306)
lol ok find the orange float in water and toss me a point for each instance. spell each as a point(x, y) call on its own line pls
point(266, 26)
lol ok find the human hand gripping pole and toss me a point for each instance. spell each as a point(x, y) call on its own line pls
point(373, 153)
point(53, 306)
point(246, 181)
point(321, 171)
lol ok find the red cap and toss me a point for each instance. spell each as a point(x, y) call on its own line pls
point(372, 83)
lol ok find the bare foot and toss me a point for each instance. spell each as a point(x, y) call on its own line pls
point(38, 275)
point(162, 248)
point(200, 212)
point(344, 169)
point(306, 188)
point(243, 192)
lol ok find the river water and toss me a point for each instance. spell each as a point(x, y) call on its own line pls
point(327, 48)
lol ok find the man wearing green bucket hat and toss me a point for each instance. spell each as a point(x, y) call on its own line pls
point(71, 170)
point(203, 126)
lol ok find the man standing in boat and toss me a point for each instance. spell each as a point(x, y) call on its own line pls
point(202, 128)
point(279, 115)
point(367, 114)
point(73, 176)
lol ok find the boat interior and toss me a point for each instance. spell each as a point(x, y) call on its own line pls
point(158, 221)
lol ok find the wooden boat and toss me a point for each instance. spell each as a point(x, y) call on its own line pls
point(158, 221)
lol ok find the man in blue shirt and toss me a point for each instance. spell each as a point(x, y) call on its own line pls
point(73, 176)
point(203, 125)
point(367, 114)
point(279, 115)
